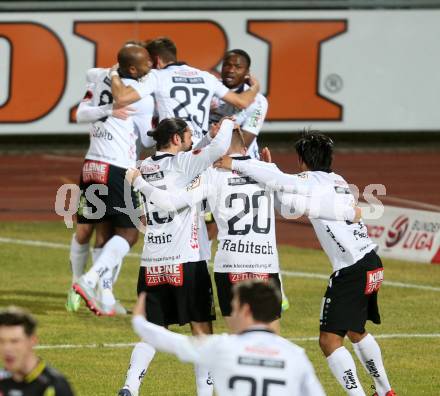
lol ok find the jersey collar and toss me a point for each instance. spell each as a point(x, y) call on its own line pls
point(241, 157)
point(174, 64)
point(255, 329)
point(35, 373)
point(161, 154)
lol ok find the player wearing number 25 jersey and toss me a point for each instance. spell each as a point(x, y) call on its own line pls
point(180, 90)
point(254, 361)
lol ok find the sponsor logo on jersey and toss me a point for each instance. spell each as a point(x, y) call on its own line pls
point(242, 276)
point(247, 247)
point(240, 181)
point(332, 236)
point(188, 80)
point(101, 133)
point(149, 168)
point(194, 184)
point(251, 361)
point(95, 172)
point(187, 73)
point(374, 280)
point(153, 176)
point(259, 350)
point(162, 274)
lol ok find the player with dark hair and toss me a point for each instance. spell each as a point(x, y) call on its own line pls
point(112, 151)
point(180, 90)
point(172, 272)
point(254, 360)
point(24, 373)
point(234, 74)
point(351, 297)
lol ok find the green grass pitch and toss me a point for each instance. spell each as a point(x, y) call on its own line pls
point(38, 277)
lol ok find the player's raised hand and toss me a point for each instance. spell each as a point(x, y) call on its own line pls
point(224, 162)
point(358, 214)
point(265, 155)
point(122, 112)
point(131, 175)
point(216, 127)
point(253, 82)
point(139, 307)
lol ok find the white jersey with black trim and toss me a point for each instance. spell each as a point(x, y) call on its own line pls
point(113, 140)
point(172, 237)
point(256, 362)
point(250, 119)
point(344, 242)
point(245, 217)
point(185, 92)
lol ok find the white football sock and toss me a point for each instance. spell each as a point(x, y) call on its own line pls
point(204, 381)
point(344, 369)
point(368, 352)
point(78, 258)
point(96, 252)
point(112, 253)
point(141, 358)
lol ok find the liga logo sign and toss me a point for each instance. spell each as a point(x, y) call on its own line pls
point(407, 234)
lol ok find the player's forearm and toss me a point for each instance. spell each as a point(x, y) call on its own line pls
point(245, 99)
point(87, 113)
point(163, 339)
point(322, 206)
point(120, 92)
point(268, 174)
point(167, 201)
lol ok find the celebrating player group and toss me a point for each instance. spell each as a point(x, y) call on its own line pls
point(206, 181)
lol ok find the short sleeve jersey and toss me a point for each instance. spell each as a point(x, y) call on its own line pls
point(185, 92)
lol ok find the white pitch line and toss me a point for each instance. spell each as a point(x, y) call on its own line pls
point(294, 274)
point(295, 339)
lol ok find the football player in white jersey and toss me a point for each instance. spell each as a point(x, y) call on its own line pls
point(112, 150)
point(351, 297)
point(177, 281)
point(254, 361)
point(234, 74)
point(179, 89)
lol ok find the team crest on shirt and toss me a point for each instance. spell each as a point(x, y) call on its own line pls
point(194, 183)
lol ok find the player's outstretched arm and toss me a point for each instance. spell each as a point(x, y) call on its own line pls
point(162, 339)
point(88, 113)
point(266, 173)
point(245, 98)
point(196, 161)
point(163, 199)
point(319, 205)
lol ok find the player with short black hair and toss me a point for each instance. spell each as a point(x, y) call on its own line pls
point(351, 296)
point(24, 373)
point(254, 360)
point(112, 151)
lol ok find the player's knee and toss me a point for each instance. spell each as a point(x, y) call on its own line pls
point(83, 233)
point(356, 337)
point(131, 235)
point(329, 342)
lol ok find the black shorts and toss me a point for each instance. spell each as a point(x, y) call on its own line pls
point(177, 294)
point(351, 297)
point(113, 178)
point(226, 280)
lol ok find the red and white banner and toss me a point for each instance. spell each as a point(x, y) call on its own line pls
point(407, 234)
point(341, 70)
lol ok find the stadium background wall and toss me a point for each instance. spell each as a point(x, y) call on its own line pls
point(336, 70)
